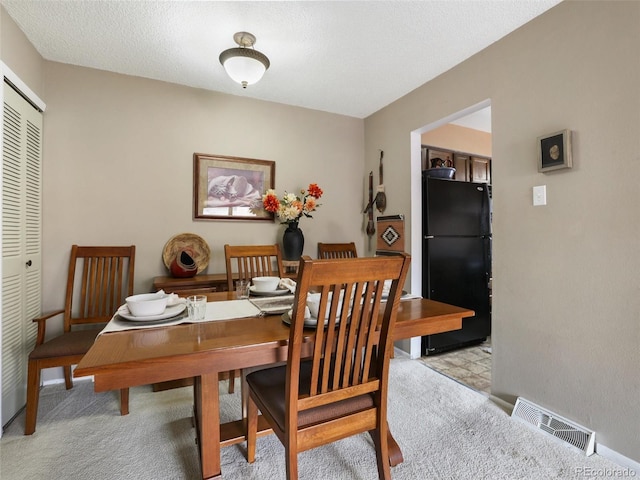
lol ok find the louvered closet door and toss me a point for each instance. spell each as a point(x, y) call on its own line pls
point(21, 244)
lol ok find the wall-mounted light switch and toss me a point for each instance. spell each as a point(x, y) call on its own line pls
point(539, 195)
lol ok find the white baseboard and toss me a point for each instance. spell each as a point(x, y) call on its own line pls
point(55, 381)
point(618, 459)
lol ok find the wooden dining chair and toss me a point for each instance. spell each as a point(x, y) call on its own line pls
point(247, 261)
point(243, 262)
point(334, 384)
point(337, 250)
point(98, 281)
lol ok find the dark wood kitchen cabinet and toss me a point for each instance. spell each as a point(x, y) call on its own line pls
point(469, 167)
point(480, 169)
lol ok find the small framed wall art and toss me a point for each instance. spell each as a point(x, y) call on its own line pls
point(554, 151)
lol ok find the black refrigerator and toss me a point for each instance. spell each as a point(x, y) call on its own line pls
point(456, 257)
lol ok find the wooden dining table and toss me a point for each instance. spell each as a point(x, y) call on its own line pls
point(201, 350)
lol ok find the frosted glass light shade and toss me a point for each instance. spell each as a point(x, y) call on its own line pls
point(244, 65)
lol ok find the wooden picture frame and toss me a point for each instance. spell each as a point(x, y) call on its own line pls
point(231, 188)
point(554, 151)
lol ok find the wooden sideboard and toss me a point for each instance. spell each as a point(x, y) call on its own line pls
point(291, 268)
point(216, 282)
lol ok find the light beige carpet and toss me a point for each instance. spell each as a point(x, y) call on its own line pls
point(446, 431)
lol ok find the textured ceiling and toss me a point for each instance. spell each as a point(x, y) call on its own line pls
point(345, 57)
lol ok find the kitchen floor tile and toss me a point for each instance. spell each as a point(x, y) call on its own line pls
point(470, 366)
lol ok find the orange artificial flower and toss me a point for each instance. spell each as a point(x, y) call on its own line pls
point(290, 208)
point(270, 202)
point(315, 190)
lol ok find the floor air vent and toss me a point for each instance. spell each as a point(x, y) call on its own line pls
point(554, 425)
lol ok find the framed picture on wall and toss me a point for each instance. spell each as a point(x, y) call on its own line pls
point(554, 151)
point(231, 188)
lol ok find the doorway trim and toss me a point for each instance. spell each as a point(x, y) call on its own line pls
point(415, 345)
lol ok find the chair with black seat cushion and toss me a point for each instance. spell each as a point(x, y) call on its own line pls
point(243, 262)
point(334, 384)
point(337, 250)
point(98, 281)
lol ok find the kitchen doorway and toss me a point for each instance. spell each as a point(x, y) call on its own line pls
point(466, 131)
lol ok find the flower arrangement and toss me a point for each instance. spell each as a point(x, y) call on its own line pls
point(291, 207)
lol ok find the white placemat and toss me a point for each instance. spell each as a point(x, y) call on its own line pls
point(225, 310)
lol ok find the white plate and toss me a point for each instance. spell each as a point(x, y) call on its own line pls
point(169, 312)
point(308, 322)
point(272, 293)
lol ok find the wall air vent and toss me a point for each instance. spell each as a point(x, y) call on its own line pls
point(554, 425)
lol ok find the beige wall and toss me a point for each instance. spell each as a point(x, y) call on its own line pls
point(566, 303)
point(119, 166)
point(19, 55)
point(459, 139)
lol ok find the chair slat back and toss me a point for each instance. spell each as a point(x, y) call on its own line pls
point(337, 250)
point(351, 349)
point(99, 280)
point(244, 262)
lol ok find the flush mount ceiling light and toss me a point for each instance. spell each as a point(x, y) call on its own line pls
point(244, 64)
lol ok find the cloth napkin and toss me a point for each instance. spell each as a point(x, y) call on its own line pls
point(288, 284)
point(172, 298)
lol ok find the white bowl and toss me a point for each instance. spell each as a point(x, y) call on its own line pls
point(265, 284)
point(147, 304)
